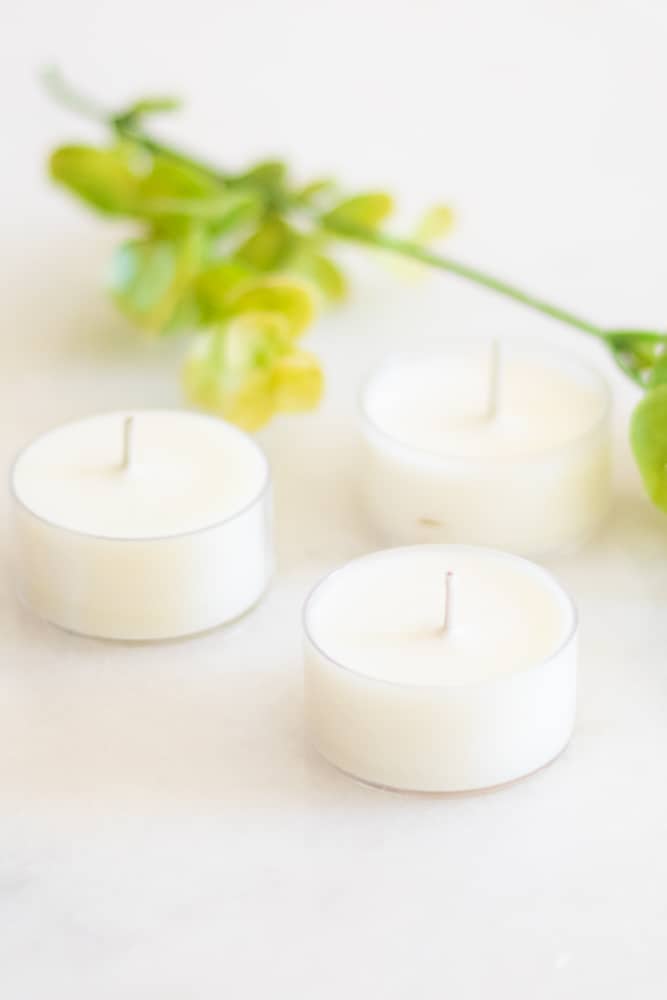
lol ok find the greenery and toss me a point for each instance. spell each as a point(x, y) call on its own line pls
point(245, 259)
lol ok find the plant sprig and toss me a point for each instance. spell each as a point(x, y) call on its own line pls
point(246, 259)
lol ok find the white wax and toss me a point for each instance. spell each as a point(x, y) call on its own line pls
point(532, 476)
point(395, 700)
point(175, 542)
point(187, 472)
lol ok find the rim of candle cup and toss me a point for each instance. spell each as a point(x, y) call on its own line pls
point(535, 568)
point(438, 348)
point(257, 498)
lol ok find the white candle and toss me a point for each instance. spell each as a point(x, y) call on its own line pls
point(470, 443)
point(143, 526)
point(403, 692)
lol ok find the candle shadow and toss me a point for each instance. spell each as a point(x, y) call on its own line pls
point(213, 726)
point(319, 766)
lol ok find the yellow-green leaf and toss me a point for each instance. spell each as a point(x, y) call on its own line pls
point(434, 224)
point(219, 283)
point(173, 190)
point(168, 179)
point(365, 210)
point(271, 174)
point(298, 382)
point(638, 353)
point(658, 375)
point(148, 106)
point(125, 181)
point(247, 370)
point(648, 436)
point(101, 177)
point(325, 275)
point(245, 399)
point(152, 281)
point(269, 246)
point(286, 297)
point(317, 194)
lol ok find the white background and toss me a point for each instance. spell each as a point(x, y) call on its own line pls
point(164, 831)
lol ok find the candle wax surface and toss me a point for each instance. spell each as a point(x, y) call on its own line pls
point(438, 404)
point(188, 472)
point(382, 615)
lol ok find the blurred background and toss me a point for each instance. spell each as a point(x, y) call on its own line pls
point(540, 122)
point(183, 842)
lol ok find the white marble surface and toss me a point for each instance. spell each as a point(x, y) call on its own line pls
point(164, 831)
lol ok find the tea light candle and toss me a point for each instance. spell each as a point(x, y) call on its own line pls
point(439, 668)
point(504, 445)
point(142, 526)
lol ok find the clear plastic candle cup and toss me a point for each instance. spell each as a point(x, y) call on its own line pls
point(440, 668)
point(492, 443)
point(140, 526)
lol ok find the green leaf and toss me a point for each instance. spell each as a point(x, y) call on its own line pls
point(241, 210)
point(315, 188)
point(324, 274)
point(269, 246)
point(270, 174)
point(298, 382)
point(365, 210)
point(229, 289)
point(316, 194)
point(218, 285)
point(168, 179)
point(292, 301)
point(152, 282)
point(211, 380)
point(248, 370)
point(434, 224)
point(176, 190)
point(658, 374)
point(124, 181)
point(101, 177)
point(637, 352)
point(648, 436)
point(149, 106)
point(222, 214)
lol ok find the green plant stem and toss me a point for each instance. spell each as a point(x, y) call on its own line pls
point(151, 145)
point(405, 248)
point(61, 91)
point(125, 128)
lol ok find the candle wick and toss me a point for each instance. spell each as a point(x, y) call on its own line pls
point(493, 398)
point(449, 603)
point(128, 443)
